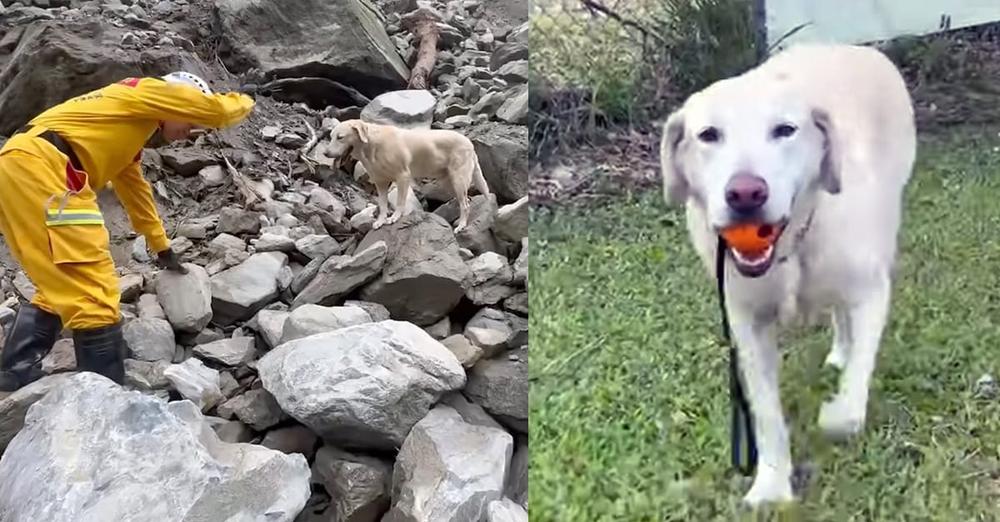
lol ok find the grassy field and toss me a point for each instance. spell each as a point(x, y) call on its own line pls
point(629, 404)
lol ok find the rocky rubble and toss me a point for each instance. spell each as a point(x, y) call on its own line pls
point(393, 363)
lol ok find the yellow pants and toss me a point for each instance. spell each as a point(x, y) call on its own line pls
point(59, 239)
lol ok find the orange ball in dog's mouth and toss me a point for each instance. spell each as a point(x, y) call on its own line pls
point(752, 245)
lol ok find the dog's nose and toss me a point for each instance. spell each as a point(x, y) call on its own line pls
point(746, 192)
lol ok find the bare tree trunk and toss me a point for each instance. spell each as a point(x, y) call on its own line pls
point(423, 24)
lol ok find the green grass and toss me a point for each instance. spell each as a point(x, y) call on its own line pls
point(629, 398)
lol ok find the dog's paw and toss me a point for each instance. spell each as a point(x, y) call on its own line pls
point(769, 487)
point(841, 419)
point(392, 219)
point(378, 224)
point(460, 228)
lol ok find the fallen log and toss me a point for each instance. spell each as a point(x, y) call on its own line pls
point(423, 24)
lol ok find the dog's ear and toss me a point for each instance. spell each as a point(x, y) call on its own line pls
point(829, 168)
point(675, 185)
point(361, 128)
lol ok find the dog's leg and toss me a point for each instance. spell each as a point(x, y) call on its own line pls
point(402, 191)
point(841, 349)
point(461, 189)
point(844, 415)
point(759, 361)
point(383, 204)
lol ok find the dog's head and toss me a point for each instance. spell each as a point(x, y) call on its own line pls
point(746, 150)
point(347, 135)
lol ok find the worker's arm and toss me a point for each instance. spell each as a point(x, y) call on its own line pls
point(156, 99)
point(137, 197)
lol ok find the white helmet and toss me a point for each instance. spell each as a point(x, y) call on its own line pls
point(188, 79)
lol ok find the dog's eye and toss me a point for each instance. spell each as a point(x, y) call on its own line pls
point(709, 135)
point(783, 131)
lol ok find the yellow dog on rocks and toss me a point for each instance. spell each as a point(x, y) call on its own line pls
point(394, 154)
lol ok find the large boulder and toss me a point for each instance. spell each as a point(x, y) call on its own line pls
point(186, 299)
point(85, 54)
point(412, 108)
point(449, 470)
point(240, 292)
point(424, 274)
point(500, 386)
point(338, 276)
point(364, 386)
point(314, 319)
point(503, 156)
point(91, 451)
point(15, 407)
point(340, 40)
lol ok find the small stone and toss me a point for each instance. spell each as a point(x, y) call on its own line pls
point(150, 339)
point(233, 432)
point(290, 141)
point(230, 352)
point(237, 221)
point(440, 329)
point(193, 230)
point(139, 251)
point(467, 353)
point(986, 387)
point(212, 176)
point(270, 133)
point(489, 330)
point(274, 243)
point(145, 375)
point(295, 439)
point(195, 382)
point(257, 408)
point(316, 246)
point(130, 286)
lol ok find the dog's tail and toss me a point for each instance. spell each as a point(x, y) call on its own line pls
point(477, 176)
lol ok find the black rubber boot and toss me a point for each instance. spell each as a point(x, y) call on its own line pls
point(28, 342)
point(101, 350)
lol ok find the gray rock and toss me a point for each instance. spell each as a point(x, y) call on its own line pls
point(408, 109)
point(503, 156)
point(423, 274)
point(368, 384)
point(237, 221)
point(211, 176)
point(14, 408)
point(470, 411)
point(488, 267)
point(521, 265)
point(233, 432)
point(986, 387)
point(145, 375)
point(467, 353)
point(507, 53)
point(228, 384)
point(377, 312)
point(323, 199)
point(187, 161)
point(515, 108)
point(186, 299)
point(270, 132)
point(515, 71)
point(230, 352)
point(488, 104)
point(282, 39)
point(478, 235)
point(290, 140)
point(150, 339)
point(62, 357)
point(130, 286)
point(505, 510)
point(240, 292)
point(358, 485)
point(270, 325)
point(449, 470)
point(517, 480)
point(193, 230)
point(195, 382)
point(500, 386)
point(512, 221)
point(156, 461)
point(517, 303)
point(363, 221)
point(471, 90)
point(294, 439)
point(489, 330)
point(316, 246)
point(224, 243)
point(257, 408)
point(440, 329)
point(338, 276)
point(313, 319)
point(274, 243)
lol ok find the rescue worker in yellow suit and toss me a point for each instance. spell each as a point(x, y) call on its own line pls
point(50, 173)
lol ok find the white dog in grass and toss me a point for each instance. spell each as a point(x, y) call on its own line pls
point(394, 154)
point(814, 147)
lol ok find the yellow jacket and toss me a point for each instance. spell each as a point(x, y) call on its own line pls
point(109, 127)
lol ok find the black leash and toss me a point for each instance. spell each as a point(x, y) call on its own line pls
point(741, 422)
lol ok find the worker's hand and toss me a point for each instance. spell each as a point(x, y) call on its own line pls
point(169, 260)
